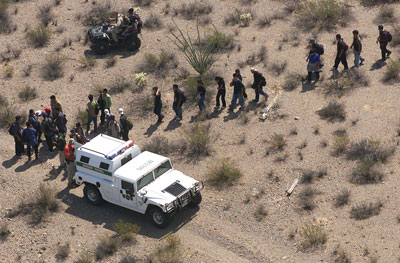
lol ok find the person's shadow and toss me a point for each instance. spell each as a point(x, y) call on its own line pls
point(152, 128)
point(172, 125)
point(308, 86)
point(8, 163)
point(231, 115)
point(378, 65)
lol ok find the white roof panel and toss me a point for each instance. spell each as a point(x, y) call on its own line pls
point(102, 144)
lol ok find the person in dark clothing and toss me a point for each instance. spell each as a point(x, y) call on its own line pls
point(383, 40)
point(16, 131)
point(237, 92)
point(357, 47)
point(33, 119)
point(30, 137)
point(178, 102)
point(157, 104)
point(318, 48)
point(313, 65)
point(49, 130)
point(104, 102)
point(237, 72)
point(60, 120)
point(221, 91)
point(341, 53)
point(125, 125)
point(201, 93)
point(258, 85)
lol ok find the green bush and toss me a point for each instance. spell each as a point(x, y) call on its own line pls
point(39, 37)
point(322, 14)
point(107, 247)
point(198, 139)
point(160, 65)
point(313, 236)
point(340, 144)
point(392, 71)
point(126, 231)
point(220, 42)
point(27, 93)
point(84, 257)
point(277, 142)
point(333, 112)
point(366, 173)
point(97, 15)
point(224, 173)
point(54, 67)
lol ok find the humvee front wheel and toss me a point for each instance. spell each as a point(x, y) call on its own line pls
point(196, 200)
point(92, 194)
point(160, 219)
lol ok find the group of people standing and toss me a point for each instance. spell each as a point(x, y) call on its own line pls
point(316, 51)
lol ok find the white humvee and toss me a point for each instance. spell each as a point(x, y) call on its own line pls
point(118, 172)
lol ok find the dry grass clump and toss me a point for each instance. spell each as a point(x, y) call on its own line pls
point(144, 3)
point(27, 70)
point(198, 139)
point(313, 236)
point(119, 84)
point(392, 71)
point(386, 16)
point(277, 142)
point(224, 173)
point(81, 116)
point(7, 115)
point(153, 22)
point(278, 68)
point(292, 82)
point(158, 144)
point(45, 15)
point(54, 67)
point(377, 2)
point(233, 18)
point(4, 232)
point(8, 72)
point(322, 14)
point(396, 36)
point(107, 247)
point(365, 210)
point(39, 36)
point(87, 62)
point(220, 42)
point(333, 112)
point(307, 176)
point(255, 58)
point(84, 257)
point(369, 150)
point(27, 93)
point(5, 20)
point(341, 143)
point(40, 206)
point(194, 9)
point(366, 173)
point(342, 198)
point(129, 259)
point(306, 198)
point(127, 231)
point(347, 82)
point(63, 251)
point(161, 65)
point(110, 62)
point(168, 253)
point(340, 256)
point(264, 21)
point(260, 212)
point(98, 15)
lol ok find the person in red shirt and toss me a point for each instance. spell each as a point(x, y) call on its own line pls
point(69, 152)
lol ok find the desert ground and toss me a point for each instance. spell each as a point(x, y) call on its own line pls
point(251, 220)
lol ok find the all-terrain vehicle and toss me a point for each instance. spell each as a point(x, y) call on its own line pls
point(101, 38)
point(118, 172)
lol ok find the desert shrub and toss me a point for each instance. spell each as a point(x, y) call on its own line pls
point(194, 9)
point(245, 19)
point(347, 82)
point(313, 236)
point(260, 212)
point(256, 57)
point(377, 2)
point(396, 36)
point(220, 42)
point(224, 173)
point(159, 145)
point(235, 18)
point(278, 68)
point(198, 139)
point(386, 15)
point(392, 71)
point(368, 150)
point(5, 20)
point(293, 131)
point(340, 144)
point(54, 67)
point(63, 251)
point(366, 173)
point(168, 253)
point(365, 210)
point(334, 111)
point(27, 70)
point(307, 176)
point(87, 62)
point(4, 232)
point(144, 3)
point(84, 257)
point(7, 115)
point(190, 88)
point(340, 255)
point(306, 198)
point(97, 15)
point(110, 62)
point(129, 259)
point(127, 231)
point(264, 21)
point(39, 36)
point(322, 14)
point(160, 65)
point(119, 84)
point(342, 198)
point(153, 22)
point(81, 116)
point(27, 93)
point(292, 82)
point(45, 15)
point(143, 104)
point(277, 142)
point(8, 72)
point(107, 247)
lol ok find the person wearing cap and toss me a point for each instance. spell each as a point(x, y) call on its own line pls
point(30, 137)
point(123, 122)
point(69, 152)
point(384, 38)
point(201, 93)
point(237, 92)
point(60, 146)
point(318, 48)
point(313, 65)
point(357, 47)
point(157, 104)
point(33, 119)
point(16, 131)
point(47, 110)
point(49, 130)
point(104, 102)
point(113, 128)
point(92, 110)
point(258, 83)
point(54, 103)
point(106, 118)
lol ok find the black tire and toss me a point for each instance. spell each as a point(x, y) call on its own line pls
point(101, 47)
point(92, 195)
point(133, 43)
point(159, 218)
point(196, 200)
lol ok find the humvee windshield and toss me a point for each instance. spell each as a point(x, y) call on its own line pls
point(148, 178)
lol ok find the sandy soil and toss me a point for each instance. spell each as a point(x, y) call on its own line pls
point(223, 229)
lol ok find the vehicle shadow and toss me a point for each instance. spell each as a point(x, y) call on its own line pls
point(108, 215)
point(117, 51)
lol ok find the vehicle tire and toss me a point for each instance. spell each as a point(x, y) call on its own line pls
point(92, 194)
point(101, 47)
point(133, 43)
point(159, 218)
point(196, 200)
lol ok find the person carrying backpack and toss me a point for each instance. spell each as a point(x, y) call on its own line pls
point(258, 84)
point(33, 119)
point(125, 124)
point(238, 88)
point(49, 130)
point(357, 47)
point(313, 65)
point(15, 130)
point(384, 38)
point(30, 137)
point(318, 48)
point(342, 48)
point(92, 108)
point(179, 99)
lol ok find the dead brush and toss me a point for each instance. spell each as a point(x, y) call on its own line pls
point(84, 257)
point(292, 82)
point(340, 255)
point(107, 247)
point(386, 15)
point(255, 58)
point(119, 85)
point(87, 62)
point(127, 231)
point(63, 251)
point(278, 68)
point(306, 198)
point(366, 173)
point(307, 176)
point(153, 22)
point(277, 142)
point(4, 232)
point(260, 213)
point(144, 3)
point(369, 150)
point(54, 67)
point(169, 252)
point(340, 144)
point(342, 198)
point(39, 37)
point(365, 210)
point(223, 173)
point(28, 93)
point(333, 112)
point(264, 21)
point(5, 20)
point(161, 145)
point(194, 9)
point(313, 236)
point(110, 62)
point(97, 15)
point(45, 15)
point(392, 73)
point(346, 83)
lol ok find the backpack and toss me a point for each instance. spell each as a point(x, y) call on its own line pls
point(183, 97)
point(100, 102)
point(11, 129)
point(128, 124)
point(320, 49)
point(346, 46)
point(263, 82)
point(388, 36)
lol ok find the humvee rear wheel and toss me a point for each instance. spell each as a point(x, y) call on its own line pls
point(92, 194)
point(160, 219)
